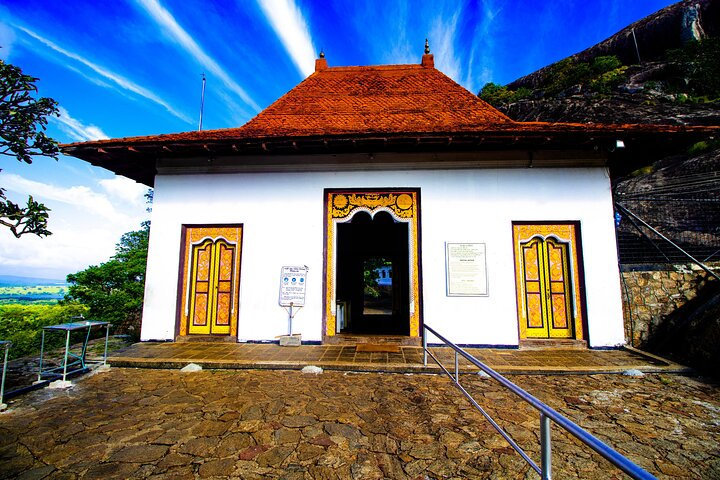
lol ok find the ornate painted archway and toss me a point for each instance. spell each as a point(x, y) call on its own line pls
point(340, 207)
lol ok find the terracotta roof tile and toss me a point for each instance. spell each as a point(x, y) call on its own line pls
point(373, 100)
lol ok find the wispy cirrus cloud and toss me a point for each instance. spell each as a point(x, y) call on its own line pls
point(76, 129)
point(289, 24)
point(7, 38)
point(465, 55)
point(443, 35)
point(484, 47)
point(115, 78)
point(167, 22)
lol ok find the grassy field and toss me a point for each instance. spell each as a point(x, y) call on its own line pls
point(32, 293)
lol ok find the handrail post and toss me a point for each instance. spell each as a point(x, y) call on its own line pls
point(545, 447)
point(42, 350)
point(457, 375)
point(6, 346)
point(424, 346)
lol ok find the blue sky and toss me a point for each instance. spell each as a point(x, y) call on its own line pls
point(133, 67)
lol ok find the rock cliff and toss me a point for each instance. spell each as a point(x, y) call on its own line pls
point(654, 35)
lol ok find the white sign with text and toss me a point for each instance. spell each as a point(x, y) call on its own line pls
point(292, 286)
point(466, 270)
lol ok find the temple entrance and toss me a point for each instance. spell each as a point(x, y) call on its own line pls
point(372, 266)
point(372, 275)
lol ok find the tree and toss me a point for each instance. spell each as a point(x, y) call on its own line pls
point(23, 121)
point(114, 290)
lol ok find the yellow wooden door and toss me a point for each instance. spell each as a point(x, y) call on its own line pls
point(210, 279)
point(211, 304)
point(547, 289)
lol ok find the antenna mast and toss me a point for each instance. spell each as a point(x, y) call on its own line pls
point(202, 101)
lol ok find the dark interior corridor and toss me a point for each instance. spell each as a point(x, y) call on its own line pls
point(373, 308)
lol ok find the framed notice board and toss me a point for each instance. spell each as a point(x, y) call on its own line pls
point(466, 270)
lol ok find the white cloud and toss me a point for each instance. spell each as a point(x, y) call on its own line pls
point(67, 250)
point(80, 196)
point(86, 226)
point(442, 34)
point(165, 19)
point(112, 76)
point(76, 130)
point(290, 26)
point(125, 190)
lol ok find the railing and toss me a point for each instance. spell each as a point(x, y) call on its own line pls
point(5, 344)
point(547, 415)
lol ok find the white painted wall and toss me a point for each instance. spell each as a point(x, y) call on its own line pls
point(282, 214)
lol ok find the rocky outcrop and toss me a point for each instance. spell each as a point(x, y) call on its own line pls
point(666, 29)
point(646, 108)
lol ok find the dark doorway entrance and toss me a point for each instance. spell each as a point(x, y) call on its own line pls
point(372, 275)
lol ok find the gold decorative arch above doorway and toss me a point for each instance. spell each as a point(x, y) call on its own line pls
point(340, 207)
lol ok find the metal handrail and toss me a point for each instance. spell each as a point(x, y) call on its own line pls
point(547, 415)
point(5, 344)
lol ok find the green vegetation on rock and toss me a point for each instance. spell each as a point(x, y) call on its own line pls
point(696, 71)
point(602, 75)
point(496, 94)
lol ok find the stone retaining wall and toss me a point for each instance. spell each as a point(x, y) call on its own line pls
point(650, 295)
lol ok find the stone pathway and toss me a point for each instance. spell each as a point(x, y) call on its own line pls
point(140, 423)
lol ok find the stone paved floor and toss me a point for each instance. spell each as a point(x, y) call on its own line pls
point(153, 423)
point(406, 359)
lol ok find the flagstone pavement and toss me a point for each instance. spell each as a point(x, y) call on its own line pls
point(166, 424)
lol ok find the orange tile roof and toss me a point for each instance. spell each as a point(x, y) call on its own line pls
point(374, 100)
point(390, 107)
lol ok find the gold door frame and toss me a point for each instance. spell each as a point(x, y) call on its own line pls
point(340, 207)
point(217, 318)
point(565, 233)
point(194, 236)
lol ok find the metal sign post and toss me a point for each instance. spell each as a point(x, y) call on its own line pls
point(292, 290)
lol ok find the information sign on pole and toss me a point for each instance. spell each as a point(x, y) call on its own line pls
point(466, 270)
point(292, 286)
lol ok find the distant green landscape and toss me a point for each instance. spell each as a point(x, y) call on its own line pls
point(37, 294)
point(32, 291)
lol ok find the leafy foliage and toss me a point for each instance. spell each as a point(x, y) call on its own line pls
point(32, 218)
point(601, 75)
point(22, 324)
point(496, 94)
point(370, 275)
point(114, 290)
point(23, 121)
point(697, 69)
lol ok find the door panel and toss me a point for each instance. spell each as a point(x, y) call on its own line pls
point(211, 277)
point(547, 281)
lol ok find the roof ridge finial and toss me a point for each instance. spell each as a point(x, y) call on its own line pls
point(428, 59)
point(321, 63)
